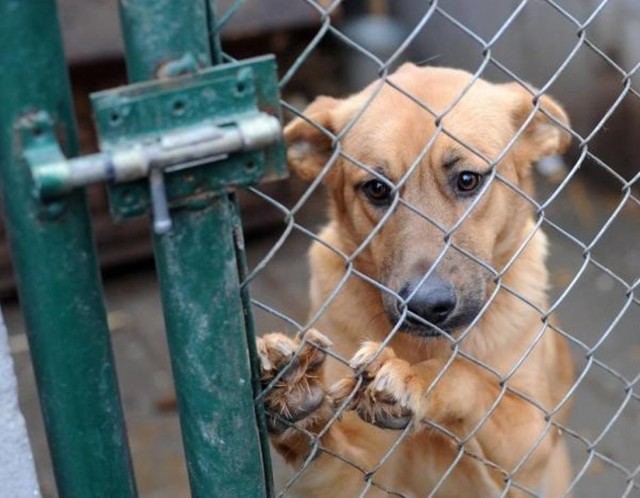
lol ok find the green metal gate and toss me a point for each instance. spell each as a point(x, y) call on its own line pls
point(175, 142)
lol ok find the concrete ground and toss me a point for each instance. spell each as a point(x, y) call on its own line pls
point(595, 302)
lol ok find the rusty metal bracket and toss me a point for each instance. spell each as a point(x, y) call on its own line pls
point(173, 143)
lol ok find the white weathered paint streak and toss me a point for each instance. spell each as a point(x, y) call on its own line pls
point(17, 470)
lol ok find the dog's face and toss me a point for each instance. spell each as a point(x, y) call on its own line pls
point(416, 187)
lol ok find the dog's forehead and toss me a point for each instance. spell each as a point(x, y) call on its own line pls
point(394, 127)
point(436, 90)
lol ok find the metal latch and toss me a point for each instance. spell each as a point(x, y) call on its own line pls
point(221, 125)
point(171, 152)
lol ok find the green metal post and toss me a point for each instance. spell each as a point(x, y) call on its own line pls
point(164, 39)
point(56, 267)
point(198, 274)
point(251, 342)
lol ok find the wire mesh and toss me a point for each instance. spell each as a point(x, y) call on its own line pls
point(593, 293)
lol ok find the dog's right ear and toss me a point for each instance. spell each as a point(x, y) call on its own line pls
point(309, 140)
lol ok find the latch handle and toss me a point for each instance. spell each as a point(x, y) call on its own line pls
point(134, 161)
point(159, 204)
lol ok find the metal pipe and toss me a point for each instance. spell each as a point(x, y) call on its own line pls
point(198, 274)
point(56, 268)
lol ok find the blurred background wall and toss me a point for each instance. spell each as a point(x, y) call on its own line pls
point(535, 44)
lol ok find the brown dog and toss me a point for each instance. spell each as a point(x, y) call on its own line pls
point(424, 239)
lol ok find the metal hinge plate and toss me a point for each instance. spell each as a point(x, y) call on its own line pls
point(221, 95)
point(173, 143)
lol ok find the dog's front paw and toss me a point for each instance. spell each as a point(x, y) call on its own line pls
point(296, 367)
point(383, 390)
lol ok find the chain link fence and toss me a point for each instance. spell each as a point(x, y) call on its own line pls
point(593, 261)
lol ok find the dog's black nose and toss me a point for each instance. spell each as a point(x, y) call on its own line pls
point(434, 300)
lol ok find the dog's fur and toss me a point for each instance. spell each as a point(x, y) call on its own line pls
point(388, 387)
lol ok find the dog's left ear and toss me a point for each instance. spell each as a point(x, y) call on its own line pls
point(545, 135)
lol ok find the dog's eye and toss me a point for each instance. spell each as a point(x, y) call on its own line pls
point(468, 181)
point(378, 192)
